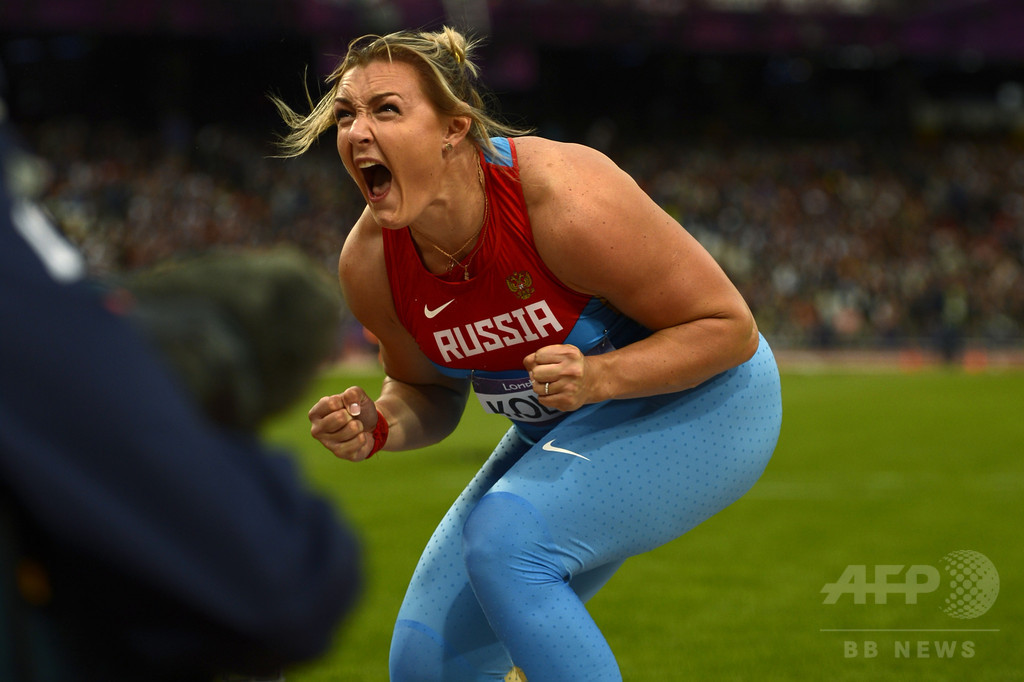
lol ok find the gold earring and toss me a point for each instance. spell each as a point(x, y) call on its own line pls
point(448, 146)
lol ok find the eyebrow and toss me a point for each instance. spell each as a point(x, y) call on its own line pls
point(376, 98)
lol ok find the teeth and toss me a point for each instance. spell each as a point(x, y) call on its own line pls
point(367, 164)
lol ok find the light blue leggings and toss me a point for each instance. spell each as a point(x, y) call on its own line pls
point(538, 532)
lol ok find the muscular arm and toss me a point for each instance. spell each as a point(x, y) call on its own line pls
point(586, 210)
point(422, 405)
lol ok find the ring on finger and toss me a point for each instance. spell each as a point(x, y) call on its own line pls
point(547, 387)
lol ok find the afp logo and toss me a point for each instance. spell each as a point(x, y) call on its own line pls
point(970, 583)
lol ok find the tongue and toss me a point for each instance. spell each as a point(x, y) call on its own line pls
point(380, 180)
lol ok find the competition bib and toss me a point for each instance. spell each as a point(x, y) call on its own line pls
point(513, 398)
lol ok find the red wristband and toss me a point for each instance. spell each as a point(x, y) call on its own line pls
point(380, 434)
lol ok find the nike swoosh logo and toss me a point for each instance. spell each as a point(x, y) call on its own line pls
point(551, 448)
point(433, 313)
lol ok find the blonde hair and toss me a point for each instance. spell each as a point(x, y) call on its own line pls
point(444, 61)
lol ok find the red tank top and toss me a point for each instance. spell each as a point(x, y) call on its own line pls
point(510, 306)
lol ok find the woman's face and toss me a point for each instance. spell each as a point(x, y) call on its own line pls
point(390, 138)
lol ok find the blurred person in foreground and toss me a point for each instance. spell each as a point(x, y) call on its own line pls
point(145, 532)
point(643, 400)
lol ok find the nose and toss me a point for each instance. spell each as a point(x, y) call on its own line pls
point(360, 131)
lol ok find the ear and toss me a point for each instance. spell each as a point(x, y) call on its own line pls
point(457, 130)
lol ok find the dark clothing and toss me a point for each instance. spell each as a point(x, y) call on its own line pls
point(161, 547)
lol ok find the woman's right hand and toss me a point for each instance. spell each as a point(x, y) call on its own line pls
point(344, 423)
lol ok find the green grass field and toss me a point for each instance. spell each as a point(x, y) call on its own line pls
point(879, 468)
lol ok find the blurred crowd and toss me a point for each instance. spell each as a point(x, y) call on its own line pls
point(130, 199)
point(859, 243)
point(847, 243)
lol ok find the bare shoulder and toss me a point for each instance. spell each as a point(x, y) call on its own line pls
point(363, 275)
point(570, 185)
point(550, 169)
point(581, 207)
point(362, 252)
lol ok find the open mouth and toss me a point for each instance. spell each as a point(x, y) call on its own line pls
point(377, 179)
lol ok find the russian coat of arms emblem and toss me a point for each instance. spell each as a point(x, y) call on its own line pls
point(521, 284)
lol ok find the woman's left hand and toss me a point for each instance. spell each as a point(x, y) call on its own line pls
point(560, 377)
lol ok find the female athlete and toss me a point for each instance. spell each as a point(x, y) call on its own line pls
point(643, 400)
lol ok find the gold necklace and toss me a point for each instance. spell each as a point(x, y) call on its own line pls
point(453, 259)
point(472, 254)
